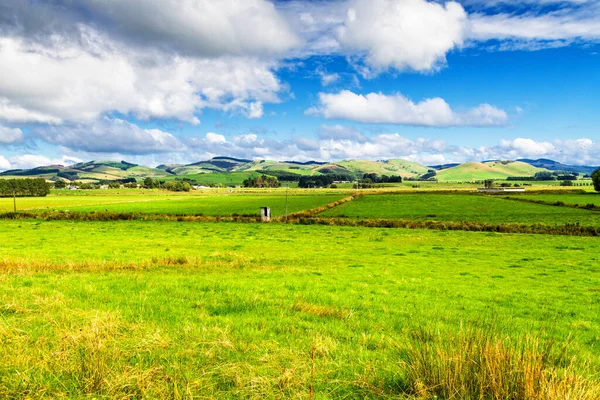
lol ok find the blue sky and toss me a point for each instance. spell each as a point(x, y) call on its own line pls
point(178, 81)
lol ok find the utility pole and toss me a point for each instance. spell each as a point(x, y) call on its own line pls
point(286, 202)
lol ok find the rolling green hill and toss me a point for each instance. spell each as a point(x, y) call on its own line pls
point(476, 171)
point(406, 169)
point(232, 171)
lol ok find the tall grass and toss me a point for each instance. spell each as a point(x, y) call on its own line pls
point(477, 363)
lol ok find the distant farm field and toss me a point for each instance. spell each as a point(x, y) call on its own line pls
point(216, 203)
point(223, 310)
point(580, 199)
point(460, 207)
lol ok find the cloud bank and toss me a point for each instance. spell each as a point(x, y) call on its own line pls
point(398, 109)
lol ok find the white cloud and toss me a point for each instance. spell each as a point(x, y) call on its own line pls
point(54, 87)
point(536, 30)
point(112, 135)
point(403, 34)
point(4, 164)
point(10, 135)
point(326, 78)
point(201, 27)
point(17, 114)
point(25, 161)
point(212, 137)
point(397, 109)
point(340, 132)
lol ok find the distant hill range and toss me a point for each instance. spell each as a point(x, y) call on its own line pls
point(556, 166)
point(228, 170)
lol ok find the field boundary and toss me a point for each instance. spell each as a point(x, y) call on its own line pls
point(314, 211)
point(541, 229)
point(589, 206)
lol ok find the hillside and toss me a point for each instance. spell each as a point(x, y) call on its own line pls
point(404, 168)
point(89, 171)
point(476, 171)
point(228, 170)
point(556, 166)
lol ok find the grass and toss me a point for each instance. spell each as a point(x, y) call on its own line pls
point(227, 204)
point(135, 309)
point(460, 207)
point(160, 202)
point(571, 198)
point(476, 171)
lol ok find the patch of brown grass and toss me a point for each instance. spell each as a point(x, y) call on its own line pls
point(474, 364)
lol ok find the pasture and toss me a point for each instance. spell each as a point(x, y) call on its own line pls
point(157, 309)
point(461, 207)
point(155, 202)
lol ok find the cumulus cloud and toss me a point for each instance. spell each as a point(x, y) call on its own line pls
point(151, 60)
point(403, 34)
point(4, 164)
point(201, 27)
point(204, 28)
point(112, 135)
point(73, 85)
point(397, 109)
point(25, 161)
point(10, 135)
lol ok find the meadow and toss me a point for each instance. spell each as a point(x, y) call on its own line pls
point(461, 207)
point(155, 202)
point(165, 309)
point(581, 199)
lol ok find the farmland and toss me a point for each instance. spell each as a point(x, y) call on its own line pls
point(155, 309)
point(571, 199)
point(155, 202)
point(461, 207)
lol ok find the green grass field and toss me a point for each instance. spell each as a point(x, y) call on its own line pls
point(460, 207)
point(570, 198)
point(159, 202)
point(166, 309)
point(474, 171)
point(158, 309)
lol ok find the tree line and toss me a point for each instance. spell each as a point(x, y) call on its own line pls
point(36, 187)
point(262, 181)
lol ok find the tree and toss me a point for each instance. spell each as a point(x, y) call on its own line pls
point(60, 185)
point(148, 183)
point(37, 187)
point(596, 180)
point(262, 181)
point(178, 186)
point(543, 176)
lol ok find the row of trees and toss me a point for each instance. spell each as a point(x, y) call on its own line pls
point(374, 178)
point(262, 181)
point(318, 181)
point(36, 187)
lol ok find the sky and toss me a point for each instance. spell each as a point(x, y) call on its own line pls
point(180, 81)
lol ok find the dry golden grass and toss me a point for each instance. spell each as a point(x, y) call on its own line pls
point(476, 364)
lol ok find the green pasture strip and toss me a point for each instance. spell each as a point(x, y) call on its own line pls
point(53, 202)
point(157, 309)
point(460, 207)
point(209, 202)
point(580, 199)
point(223, 204)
